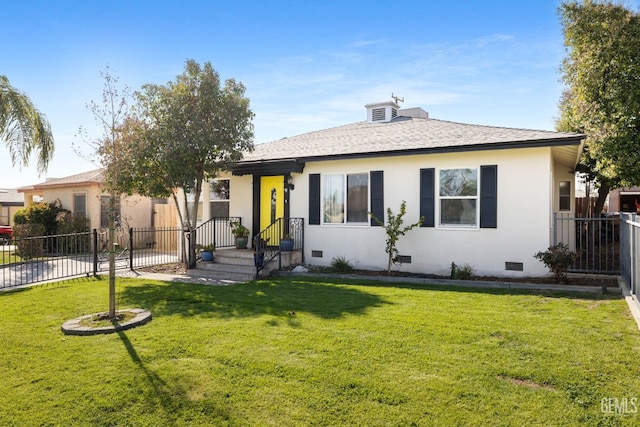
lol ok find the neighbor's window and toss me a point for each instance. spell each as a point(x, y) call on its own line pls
point(219, 198)
point(104, 210)
point(565, 195)
point(80, 205)
point(345, 198)
point(458, 195)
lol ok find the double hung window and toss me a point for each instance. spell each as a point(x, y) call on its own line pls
point(345, 198)
point(458, 196)
point(219, 198)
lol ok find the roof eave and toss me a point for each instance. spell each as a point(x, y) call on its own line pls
point(578, 139)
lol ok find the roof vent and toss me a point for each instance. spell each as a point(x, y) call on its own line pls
point(381, 112)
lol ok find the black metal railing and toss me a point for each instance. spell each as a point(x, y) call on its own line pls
point(30, 260)
point(285, 234)
point(596, 241)
point(216, 231)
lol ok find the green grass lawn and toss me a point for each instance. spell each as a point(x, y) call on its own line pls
point(354, 353)
point(8, 257)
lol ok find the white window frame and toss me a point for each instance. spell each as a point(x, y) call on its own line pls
point(565, 197)
point(214, 199)
point(440, 198)
point(344, 176)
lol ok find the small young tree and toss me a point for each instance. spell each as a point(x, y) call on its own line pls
point(394, 230)
point(112, 116)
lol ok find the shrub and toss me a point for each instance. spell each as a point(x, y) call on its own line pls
point(29, 240)
point(558, 259)
point(40, 213)
point(464, 273)
point(75, 239)
point(341, 265)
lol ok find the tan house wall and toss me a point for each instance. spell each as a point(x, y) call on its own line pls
point(135, 210)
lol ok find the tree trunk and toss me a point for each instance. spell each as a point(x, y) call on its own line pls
point(112, 258)
point(603, 192)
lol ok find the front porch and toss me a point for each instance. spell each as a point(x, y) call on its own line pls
point(239, 264)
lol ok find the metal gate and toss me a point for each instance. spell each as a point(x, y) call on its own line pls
point(629, 257)
point(595, 240)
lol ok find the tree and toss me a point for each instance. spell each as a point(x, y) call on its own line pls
point(601, 72)
point(113, 115)
point(23, 128)
point(394, 230)
point(187, 131)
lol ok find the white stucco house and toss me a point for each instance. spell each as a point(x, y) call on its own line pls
point(487, 194)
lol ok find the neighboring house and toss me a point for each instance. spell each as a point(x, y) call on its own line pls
point(625, 200)
point(82, 195)
point(487, 194)
point(10, 202)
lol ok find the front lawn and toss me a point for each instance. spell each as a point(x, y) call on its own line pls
point(298, 351)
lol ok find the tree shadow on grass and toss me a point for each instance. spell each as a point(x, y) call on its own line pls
point(278, 298)
point(171, 396)
point(473, 287)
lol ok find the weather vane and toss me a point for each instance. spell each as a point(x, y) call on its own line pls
point(397, 98)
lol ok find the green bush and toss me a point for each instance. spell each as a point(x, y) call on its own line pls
point(40, 213)
point(73, 237)
point(341, 265)
point(558, 259)
point(29, 240)
point(464, 273)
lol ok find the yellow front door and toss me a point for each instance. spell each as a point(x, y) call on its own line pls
point(271, 202)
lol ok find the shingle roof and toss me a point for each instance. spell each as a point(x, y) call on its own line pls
point(403, 134)
point(10, 196)
point(95, 176)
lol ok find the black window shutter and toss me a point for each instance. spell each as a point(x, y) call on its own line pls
point(377, 197)
point(314, 198)
point(427, 196)
point(489, 196)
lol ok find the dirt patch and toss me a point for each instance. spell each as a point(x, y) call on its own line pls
point(172, 268)
point(526, 383)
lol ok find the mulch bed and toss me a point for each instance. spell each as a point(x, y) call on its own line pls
point(573, 279)
point(578, 280)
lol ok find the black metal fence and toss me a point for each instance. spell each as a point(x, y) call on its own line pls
point(30, 260)
point(596, 240)
point(629, 251)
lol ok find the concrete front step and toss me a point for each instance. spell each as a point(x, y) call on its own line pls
point(238, 265)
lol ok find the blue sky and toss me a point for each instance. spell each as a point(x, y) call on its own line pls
point(306, 64)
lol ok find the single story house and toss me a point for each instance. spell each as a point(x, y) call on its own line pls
point(487, 194)
point(82, 195)
point(10, 202)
